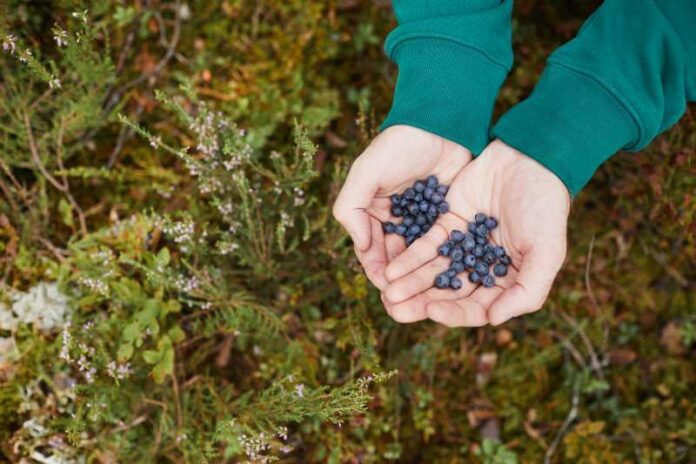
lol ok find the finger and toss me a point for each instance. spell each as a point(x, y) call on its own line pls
point(470, 311)
point(527, 294)
point(374, 259)
point(380, 208)
point(351, 205)
point(395, 245)
point(417, 281)
point(419, 253)
point(409, 311)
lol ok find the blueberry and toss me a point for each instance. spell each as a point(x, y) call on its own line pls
point(471, 227)
point(468, 244)
point(428, 193)
point(412, 208)
point(426, 227)
point(491, 223)
point(499, 251)
point(481, 268)
point(414, 230)
point(408, 221)
point(432, 211)
point(400, 230)
point(489, 257)
point(457, 254)
point(395, 199)
point(482, 230)
point(442, 280)
point(443, 208)
point(397, 211)
point(421, 219)
point(500, 270)
point(477, 251)
point(423, 206)
point(432, 181)
point(442, 189)
point(481, 240)
point(474, 277)
point(388, 227)
point(488, 248)
point(470, 261)
point(480, 218)
point(458, 266)
point(451, 273)
point(457, 235)
point(409, 193)
point(410, 239)
point(469, 236)
point(505, 260)
point(455, 283)
point(418, 198)
point(437, 198)
point(419, 186)
point(445, 249)
point(488, 281)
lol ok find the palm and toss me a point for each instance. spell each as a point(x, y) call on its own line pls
point(394, 161)
point(531, 205)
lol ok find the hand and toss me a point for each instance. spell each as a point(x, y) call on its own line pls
point(531, 205)
point(393, 162)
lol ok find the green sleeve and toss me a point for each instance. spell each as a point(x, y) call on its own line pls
point(625, 78)
point(453, 56)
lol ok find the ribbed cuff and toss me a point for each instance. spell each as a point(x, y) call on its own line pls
point(571, 124)
point(445, 88)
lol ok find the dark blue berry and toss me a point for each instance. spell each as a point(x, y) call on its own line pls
point(397, 211)
point(491, 223)
point(500, 270)
point(481, 240)
point(410, 239)
point(455, 283)
point(432, 181)
point(458, 266)
point(412, 208)
point(477, 251)
point(428, 193)
point(488, 248)
point(451, 273)
point(505, 260)
point(442, 280)
point(474, 277)
point(395, 199)
point(480, 218)
point(457, 254)
point(408, 221)
point(481, 268)
point(419, 186)
point(432, 211)
point(418, 198)
point(469, 236)
point(437, 198)
point(482, 230)
point(489, 257)
point(442, 189)
point(421, 219)
point(401, 230)
point(457, 235)
point(470, 261)
point(388, 227)
point(488, 281)
point(409, 193)
point(468, 244)
point(426, 227)
point(471, 227)
point(499, 251)
point(443, 208)
point(423, 206)
point(444, 250)
point(414, 230)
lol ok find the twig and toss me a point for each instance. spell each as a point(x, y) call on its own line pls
point(572, 415)
point(75, 205)
point(177, 401)
point(594, 359)
point(57, 252)
point(123, 135)
point(590, 293)
point(137, 421)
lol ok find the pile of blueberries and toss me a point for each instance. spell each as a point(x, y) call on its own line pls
point(470, 251)
point(419, 207)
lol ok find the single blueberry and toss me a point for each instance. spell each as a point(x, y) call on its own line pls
point(477, 251)
point(414, 230)
point(470, 261)
point(481, 240)
point(428, 193)
point(442, 189)
point(432, 211)
point(468, 244)
point(404, 202)
point(412, 208)
point(410, 239)
point(397, 211)
point(419, 186)
point(388, 227)
point(499, 251)
point(455, 283)
point(437, 198)
point(474, 277)
point(491, 223)
point(481, 268)
point(457, 235)
point(451, 273)
point(444, 250)
point(426, 227)
point(480, 218)
point(408, 220)
point(409, 193)
point(489, 257)
point(421, 219)
point(432, 181)
point(457, 254)
point(500, 270)
point(418, 198)
point(482, 230)
point(488, 248)
point(423, 206)
point(442, 280)
point(443, 208)
point(471, 227)
point(395, 199)
point(458, 266)
point(400, 230)
point(505, 260)
point(488, 281)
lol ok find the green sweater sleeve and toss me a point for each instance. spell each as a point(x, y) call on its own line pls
point(452, 56)
point(625, 78)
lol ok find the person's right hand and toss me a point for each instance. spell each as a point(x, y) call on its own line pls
point(395, 159)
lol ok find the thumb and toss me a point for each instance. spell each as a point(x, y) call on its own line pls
point(351, 206)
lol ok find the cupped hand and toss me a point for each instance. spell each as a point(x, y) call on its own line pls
point(531, 205)
point(395, 159)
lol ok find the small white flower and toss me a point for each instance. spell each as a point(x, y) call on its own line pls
point(54, 83)
point(24, 56)
point(155, 142)
point(299, 390)
point(60, 36)
point(9, 44)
